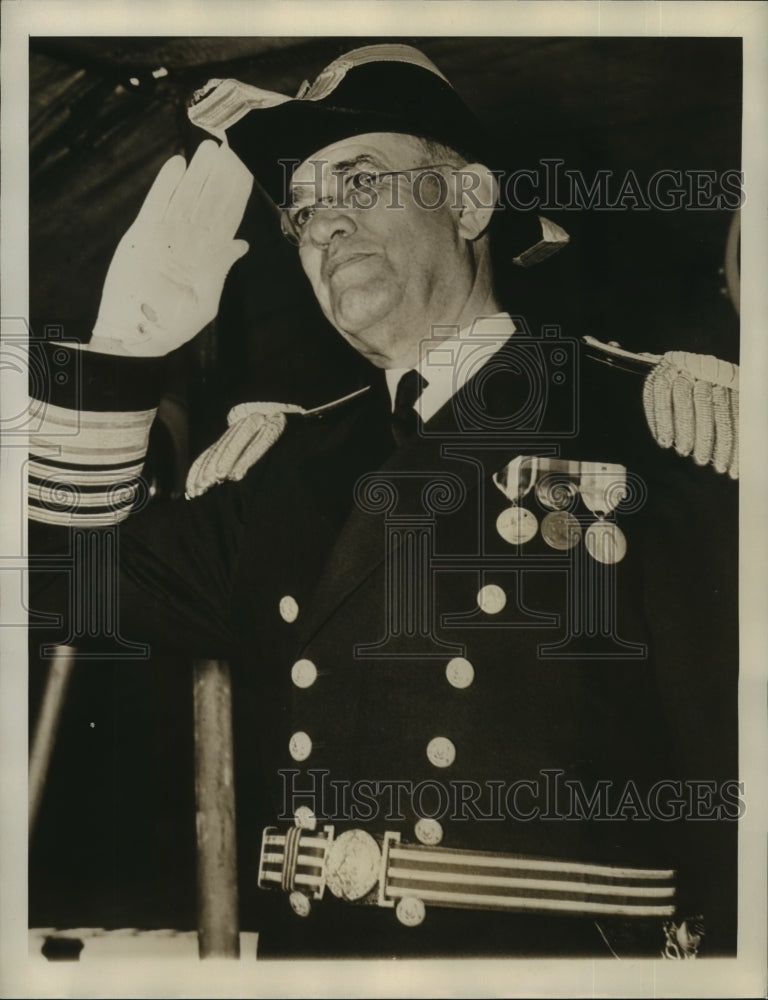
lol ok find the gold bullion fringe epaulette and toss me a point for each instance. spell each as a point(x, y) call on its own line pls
point(691, 402)
point(252, 429)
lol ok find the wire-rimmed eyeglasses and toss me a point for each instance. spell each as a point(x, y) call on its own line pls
point(355, 189)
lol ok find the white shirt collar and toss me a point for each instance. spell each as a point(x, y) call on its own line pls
point(446, 363)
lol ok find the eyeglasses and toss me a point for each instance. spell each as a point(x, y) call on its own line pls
point(356, 188)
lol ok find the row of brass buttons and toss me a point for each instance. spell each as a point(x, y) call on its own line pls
point(441, 751)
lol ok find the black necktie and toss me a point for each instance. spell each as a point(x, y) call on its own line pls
point(405, 420)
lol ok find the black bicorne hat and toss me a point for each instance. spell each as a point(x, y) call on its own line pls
point(378, 88)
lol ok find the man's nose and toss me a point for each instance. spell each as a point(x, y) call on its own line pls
point(329, 221)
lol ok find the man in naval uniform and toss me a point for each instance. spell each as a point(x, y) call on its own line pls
point(463, 605)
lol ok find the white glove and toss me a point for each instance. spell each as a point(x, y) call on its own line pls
point(165, 280)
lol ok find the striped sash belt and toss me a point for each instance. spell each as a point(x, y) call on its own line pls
point(358, 867)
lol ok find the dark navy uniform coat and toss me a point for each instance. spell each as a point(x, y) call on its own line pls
point(344, 580)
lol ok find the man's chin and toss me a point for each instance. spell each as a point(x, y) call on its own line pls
point(375, 343)
point(370, 347)
point(359, 314)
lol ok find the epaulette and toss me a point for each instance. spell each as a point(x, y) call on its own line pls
point(252, 429)
point(691, 402)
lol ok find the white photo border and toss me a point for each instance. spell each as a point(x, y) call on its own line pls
point(22, 974)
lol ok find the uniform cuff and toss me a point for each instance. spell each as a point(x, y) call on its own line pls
point(90, 430)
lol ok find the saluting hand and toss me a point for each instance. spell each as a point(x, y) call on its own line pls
point(165, 280)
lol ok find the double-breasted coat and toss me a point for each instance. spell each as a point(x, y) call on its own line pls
point(403, 666)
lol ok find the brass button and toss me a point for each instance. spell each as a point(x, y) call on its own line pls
point(491, 599)
point(410, 911)
point(428, 832)
point(303, 673)
point(441, 752)
point(305, 819)
point(300, 746)
point(289, 609)
point(300, 904)
point(460, 672)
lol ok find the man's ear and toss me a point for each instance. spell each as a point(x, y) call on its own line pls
point(475, 195)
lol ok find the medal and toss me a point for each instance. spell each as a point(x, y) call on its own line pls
point(561, 530)
point(603, 486)
point(557, 483)
point(605, 542)
point(516, 525)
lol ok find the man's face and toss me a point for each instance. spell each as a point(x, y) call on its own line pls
point(383, 274)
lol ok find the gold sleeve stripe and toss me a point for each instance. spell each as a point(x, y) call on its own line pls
point(75, 438)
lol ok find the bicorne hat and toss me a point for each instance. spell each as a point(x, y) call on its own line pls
point(377, 88)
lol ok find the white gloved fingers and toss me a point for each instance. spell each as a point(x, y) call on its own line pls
point(240, 185)
point(723, 449)
point(165, 279)
point(224, 196)
point(682, 411)
point(214, 188)
point(182, 204)
point(199, 289)
point(229, 212)
point(159, 195)
point(233, 252)
point(174, 299)
point(704, 423)
point(214, 270)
